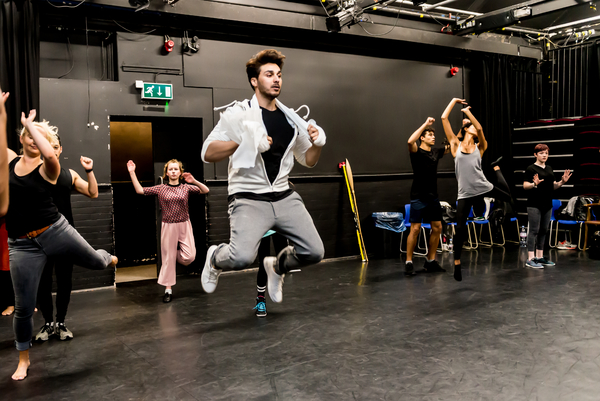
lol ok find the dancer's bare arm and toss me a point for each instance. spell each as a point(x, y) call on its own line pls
point(480, 136)
point(314, 152)
point(136, 183)
point(219, 150)
point(88, 188)
point(412, 141)
point(563, 180)
point(189, 178)
point(452, 139)
point(51, 166)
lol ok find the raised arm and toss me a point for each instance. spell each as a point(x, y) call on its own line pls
point(189, 178)
point(51, 166)
point(88, 188)
point(452, 139)
point(482, 141)
point(412, 141)
point(136, 183)
point(314, 152)
point(3, 156)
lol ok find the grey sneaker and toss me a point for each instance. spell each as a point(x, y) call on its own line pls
point(533, 263)
point(210, 275)
point(45, 333)
point(62, 332)
point(545, 262)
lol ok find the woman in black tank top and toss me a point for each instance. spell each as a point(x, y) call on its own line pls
point(36, 230)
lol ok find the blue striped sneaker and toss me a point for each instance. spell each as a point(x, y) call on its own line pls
point(261, 307)
point(545, 262)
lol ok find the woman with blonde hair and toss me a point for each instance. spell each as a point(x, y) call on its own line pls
point(176, 229)
point(36, 230)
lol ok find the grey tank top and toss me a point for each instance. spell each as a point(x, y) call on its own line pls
point(471, 181)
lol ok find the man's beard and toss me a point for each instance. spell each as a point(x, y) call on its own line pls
point(269, 95)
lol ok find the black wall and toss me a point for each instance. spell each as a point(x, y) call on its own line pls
point(367, 105)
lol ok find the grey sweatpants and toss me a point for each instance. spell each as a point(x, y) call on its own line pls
point(250, 219)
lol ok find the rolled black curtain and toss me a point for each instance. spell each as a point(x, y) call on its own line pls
point(19, 61)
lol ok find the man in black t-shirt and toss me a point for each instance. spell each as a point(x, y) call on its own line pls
point(424, 202)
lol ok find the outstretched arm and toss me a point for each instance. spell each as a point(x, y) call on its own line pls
point(3, 156)
point(51, 166)
point(482, 141)
point(452, 139)
point(412, 141)
point(189, 178)
point(136, 183)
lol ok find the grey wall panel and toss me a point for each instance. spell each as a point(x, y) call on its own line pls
point(148, 50)
point(368, 106)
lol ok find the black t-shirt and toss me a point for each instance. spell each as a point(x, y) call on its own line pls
point(540, 197)
point(424, 164)
point(61, 194)
point(31, 206)
point(282, 133)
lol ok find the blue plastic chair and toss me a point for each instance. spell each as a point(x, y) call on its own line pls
point(556, 203)
point(422, 231)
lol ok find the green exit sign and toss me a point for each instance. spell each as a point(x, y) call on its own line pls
point(157, 91)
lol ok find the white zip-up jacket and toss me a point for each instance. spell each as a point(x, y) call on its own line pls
point(255, 179)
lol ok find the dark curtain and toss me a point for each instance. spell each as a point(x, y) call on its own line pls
point(593, 98)
point(19, 61)
point(493, 90)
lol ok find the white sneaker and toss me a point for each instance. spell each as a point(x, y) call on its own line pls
point(275, 281)
point(210, 275)
point(62, 332)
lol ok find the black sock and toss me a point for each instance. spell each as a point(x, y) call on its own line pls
point(457, 273)
point(261, 291)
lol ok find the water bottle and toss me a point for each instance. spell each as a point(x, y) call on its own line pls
point(450, 245)
point(523, 237)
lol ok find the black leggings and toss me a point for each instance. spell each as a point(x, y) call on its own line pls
point(501, 191)
point(264, 250)
point(64, 283)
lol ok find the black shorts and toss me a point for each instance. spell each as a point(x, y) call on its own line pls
point(425, 212)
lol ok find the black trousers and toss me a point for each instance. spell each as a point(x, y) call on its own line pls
point(64, 283)
point(501, 191)
point(264, 250)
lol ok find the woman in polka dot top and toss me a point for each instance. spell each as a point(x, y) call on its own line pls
point(176, 226)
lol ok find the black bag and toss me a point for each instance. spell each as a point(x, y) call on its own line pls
point(496, 219)
point(580, 209)
point(594, 246)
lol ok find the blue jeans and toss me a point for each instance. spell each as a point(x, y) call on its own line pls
point(27, 260)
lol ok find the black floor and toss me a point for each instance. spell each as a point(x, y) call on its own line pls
point(343, 332)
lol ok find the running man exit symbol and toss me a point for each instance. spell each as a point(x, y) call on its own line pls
point(157, 91)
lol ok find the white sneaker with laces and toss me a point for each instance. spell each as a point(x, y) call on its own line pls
point(275, 281)
point(210, 275)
